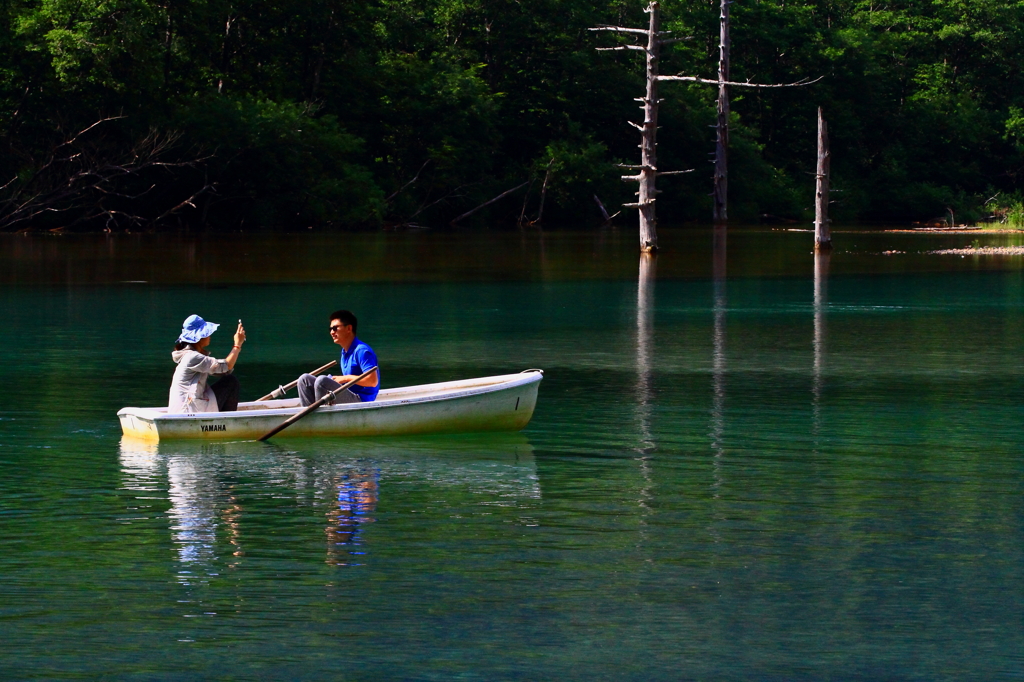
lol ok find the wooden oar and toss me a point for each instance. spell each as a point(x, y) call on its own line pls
point(281, 390)
point(330, 396)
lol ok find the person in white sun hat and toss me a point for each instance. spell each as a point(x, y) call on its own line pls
point(190, 390)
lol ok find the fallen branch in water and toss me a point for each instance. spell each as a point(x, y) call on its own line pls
point(488, 203)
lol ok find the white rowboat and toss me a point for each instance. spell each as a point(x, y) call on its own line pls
point(498, 403)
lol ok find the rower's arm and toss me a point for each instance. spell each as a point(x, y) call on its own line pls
point(369, 381)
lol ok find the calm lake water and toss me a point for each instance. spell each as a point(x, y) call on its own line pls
point(745, 463)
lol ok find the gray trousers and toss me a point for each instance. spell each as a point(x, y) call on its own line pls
point(313, 388)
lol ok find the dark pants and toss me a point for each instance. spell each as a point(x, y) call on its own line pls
point(226, 390)
point(313, 388)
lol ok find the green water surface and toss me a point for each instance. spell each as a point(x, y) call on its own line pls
point(746, 464)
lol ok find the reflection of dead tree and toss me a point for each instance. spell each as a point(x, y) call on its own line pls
point(86, 179)
point(819, 342)
point(719, 364)
point(644, 349)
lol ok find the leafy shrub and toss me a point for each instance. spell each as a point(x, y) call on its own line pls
point(277, 164)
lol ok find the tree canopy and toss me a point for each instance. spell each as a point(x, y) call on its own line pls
point(323, 113)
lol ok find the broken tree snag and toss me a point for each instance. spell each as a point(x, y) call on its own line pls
point(822, 234)
point(488, 203)
point(720, 192)
point(648, 140)
point(721, 179)
point(648, 168)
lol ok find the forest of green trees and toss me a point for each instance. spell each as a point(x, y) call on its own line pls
point(295, 114)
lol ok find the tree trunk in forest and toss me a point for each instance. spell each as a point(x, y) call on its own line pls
point(822, 234)
point(168, 43)
point(721, 180)
point(544, 192)
point(224, 55)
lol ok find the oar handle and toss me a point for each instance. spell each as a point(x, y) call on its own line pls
point(281, 390)
point(330, 396)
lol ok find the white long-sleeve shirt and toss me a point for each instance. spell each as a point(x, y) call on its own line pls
point(190, 393)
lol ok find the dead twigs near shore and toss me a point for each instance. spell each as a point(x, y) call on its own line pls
point(488, 203)
point(91, 177)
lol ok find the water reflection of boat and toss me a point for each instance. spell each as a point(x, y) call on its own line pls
point(208, 484)
point(498, 403)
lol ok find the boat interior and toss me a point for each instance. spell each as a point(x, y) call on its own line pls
point(387, 394)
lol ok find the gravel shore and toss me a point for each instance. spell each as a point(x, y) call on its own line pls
point(981, 251)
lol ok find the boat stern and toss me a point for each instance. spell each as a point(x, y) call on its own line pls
point(137, 425)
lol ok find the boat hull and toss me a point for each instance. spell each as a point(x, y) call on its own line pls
point(502, 403)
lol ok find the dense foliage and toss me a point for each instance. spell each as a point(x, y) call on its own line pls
point(228, 113)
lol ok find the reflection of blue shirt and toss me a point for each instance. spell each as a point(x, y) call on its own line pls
point(357, 359)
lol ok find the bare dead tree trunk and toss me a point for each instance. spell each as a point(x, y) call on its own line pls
point(821, 265)
point(822, 234)
point(721, 180)
point(649, 141)
point(720, 192)
point(648, 168)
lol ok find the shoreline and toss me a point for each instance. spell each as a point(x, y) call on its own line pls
point(980, 251)
point(954, 230)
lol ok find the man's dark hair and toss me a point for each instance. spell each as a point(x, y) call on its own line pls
point(345, 317)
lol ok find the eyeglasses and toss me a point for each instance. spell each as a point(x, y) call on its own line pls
point(336, 328)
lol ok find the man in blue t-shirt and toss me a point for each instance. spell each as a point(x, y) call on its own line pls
point(356, 358)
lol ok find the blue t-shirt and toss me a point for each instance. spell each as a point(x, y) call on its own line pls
point(357, 359)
